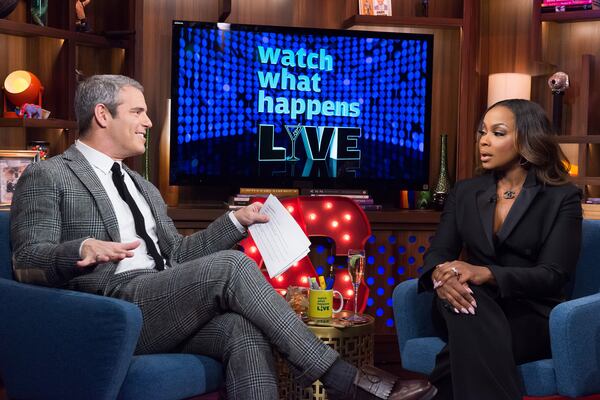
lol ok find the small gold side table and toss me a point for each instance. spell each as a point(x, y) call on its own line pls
point(355, 345)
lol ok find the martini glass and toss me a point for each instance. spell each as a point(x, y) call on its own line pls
point(293, 132)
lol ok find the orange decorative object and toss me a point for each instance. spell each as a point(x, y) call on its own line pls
point(335, 217)
point(21, 87)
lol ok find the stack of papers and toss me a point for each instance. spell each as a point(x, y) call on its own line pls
point(281, 241)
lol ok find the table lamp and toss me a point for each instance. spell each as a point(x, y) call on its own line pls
point(505, 86)
point(21, 87)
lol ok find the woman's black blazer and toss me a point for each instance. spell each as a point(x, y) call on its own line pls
point(532, 255)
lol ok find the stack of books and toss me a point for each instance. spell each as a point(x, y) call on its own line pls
point(360, 196)
point(568, 5)
point(591, 208)
point(245, 196)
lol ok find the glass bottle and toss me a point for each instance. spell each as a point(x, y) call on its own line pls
point(440, 192)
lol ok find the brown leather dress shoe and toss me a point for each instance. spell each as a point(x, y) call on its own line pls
point(374, 383)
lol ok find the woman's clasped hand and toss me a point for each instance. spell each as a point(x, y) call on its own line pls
point(451, 282)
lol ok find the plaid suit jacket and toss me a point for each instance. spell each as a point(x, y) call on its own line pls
point(60, 202)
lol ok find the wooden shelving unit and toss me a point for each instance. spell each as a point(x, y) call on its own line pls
point(571, 16)
point(53, 53)
point(431, 22)
point(37, 123)
point(194, 218)
point(559, 35)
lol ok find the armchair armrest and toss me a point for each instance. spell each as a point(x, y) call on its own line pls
point(575, 340)
point(412, 312)
point(63, 344)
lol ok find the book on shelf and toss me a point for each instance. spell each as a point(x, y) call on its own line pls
point(279, 192)
point(371, 207)
point(554, 3)
point(591, 211)
point(576, 7)
point(335, 191)
point(246, 197)
point(364, 201)
point(350, 196)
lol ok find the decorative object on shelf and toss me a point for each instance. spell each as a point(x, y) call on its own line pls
point(407, 199)
point(382, 7)
point(12, 165)
point(170, 193)
point(39, 12)
point(365, 7)
point(30, 111)
point(224, 10)
point(558, 83)
point(375, 7)
point(7, 6)
point(40, 146)
point(425, 8)
point(423, 200)
point(505, 86)
point(440, 192)
point(81, 25)
point(20, 88)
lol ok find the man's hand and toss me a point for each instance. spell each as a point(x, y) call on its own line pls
point(249, 215)
point(95, 251)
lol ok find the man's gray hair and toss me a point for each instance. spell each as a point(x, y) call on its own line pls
point(99, 89)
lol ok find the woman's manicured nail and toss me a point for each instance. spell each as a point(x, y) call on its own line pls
point(464, 310)
point(472, 310)
point(474, 303)
point(456, 310)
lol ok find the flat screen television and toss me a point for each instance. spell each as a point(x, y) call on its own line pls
point(266, 106)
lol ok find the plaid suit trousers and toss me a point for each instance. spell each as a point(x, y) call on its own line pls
point(221, 305)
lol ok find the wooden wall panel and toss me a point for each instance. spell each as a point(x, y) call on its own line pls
point(92, 60)
point(154, 65)
point(506, 36)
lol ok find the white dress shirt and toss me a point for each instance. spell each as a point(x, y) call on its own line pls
point(102, 165)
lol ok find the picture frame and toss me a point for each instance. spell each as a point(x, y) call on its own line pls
point(375, 7)
point(12, 165)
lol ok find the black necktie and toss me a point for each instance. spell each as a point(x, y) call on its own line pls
point(138, 218)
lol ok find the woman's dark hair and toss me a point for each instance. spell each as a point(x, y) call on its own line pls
point(536, 141)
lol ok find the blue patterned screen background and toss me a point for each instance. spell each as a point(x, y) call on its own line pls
point(227, 80)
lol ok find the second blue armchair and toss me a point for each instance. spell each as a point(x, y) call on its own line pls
point(573, 370)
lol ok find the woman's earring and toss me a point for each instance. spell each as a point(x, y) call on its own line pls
point(523, 162)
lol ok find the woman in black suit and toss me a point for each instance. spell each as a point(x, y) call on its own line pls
point(517, 227)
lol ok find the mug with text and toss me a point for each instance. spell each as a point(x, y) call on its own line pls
point(321, 303)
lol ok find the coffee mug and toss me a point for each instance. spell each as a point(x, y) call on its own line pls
point(321, 303)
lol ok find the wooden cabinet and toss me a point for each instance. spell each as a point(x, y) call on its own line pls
point(570, 42)
point(56, 53)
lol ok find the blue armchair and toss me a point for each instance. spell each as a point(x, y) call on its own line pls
point(60, 344)
point(573, 370)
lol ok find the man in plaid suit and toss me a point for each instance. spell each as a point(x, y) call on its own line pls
point(73, 225)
